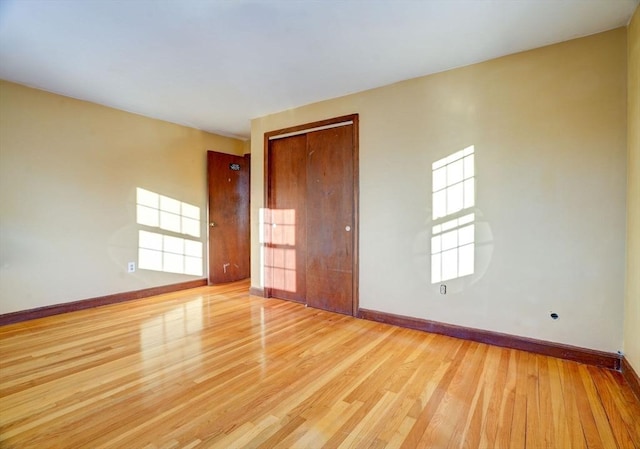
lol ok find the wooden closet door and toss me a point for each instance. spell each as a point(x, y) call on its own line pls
point(285, 219)
point(330, 219)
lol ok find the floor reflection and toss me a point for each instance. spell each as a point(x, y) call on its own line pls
point(170, 339)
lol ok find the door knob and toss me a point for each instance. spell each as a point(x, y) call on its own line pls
point(212, 224)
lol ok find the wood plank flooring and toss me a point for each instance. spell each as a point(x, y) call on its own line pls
point(214, 367)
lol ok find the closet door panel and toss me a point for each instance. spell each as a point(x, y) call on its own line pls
point(330, 219)
point(285, 219)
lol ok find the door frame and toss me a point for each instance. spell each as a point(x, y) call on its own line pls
point(351, 119)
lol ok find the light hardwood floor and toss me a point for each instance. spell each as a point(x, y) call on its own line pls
point(215, 367)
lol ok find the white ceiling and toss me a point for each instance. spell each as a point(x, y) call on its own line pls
point(216, 64)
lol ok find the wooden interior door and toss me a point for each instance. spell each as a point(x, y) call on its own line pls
point(311, 222)
point(229, 238)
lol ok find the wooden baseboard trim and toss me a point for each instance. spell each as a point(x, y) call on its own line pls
point(631, 377)
point(582, 355)
point(56, 309)
point(256, 291)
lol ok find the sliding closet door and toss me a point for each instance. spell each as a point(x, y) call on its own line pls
point(330, 219)
point(285, 219)
point(310, 221)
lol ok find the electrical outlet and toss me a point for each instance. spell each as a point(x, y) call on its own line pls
point(131, 267)
point(443, 289)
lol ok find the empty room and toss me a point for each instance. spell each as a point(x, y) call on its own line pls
point(320, 224)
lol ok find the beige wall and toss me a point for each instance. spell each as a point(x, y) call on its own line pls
point(68, 175)
point(549, 129)
point(632, 297)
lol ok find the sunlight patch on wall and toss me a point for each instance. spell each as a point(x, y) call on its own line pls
point(279, 235)
point(453, 240)
point(167, 213)
point(452, 249)
point(453, 183)
point(161, 251)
